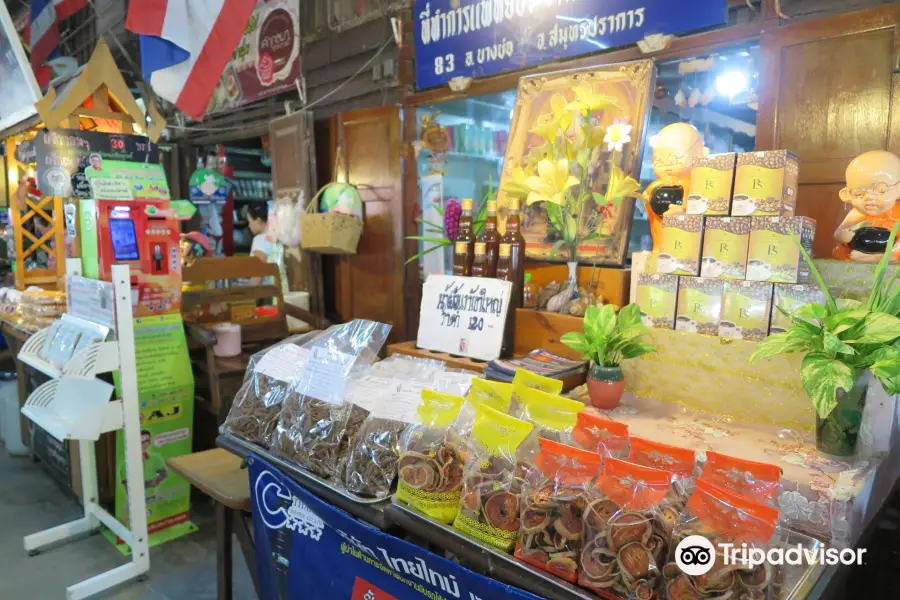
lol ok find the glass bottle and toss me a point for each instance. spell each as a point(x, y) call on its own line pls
point(460, 259)
point(466, 233)
point(491, 238)
point(479, 265)
point(505, 273)
point(529, 293)
point(513, 237)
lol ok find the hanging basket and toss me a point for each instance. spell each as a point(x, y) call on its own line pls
point(331, 232)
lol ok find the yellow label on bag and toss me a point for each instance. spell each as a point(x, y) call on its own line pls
point(497, 433)
point(440, 506)
point(495, 394)
point(499, 538)
point(525, 380)
point(551, 412)
point(438, 409)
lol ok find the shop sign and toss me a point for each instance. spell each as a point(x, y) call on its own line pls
point(63, 156)
point(265, 62)
point(463, 315)
point(298, 538)
point(473, 38)
point(122, 180)
point(207, 185)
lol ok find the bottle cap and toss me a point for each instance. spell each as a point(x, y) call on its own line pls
point(492, 206)
point(467, 204)
point(504, 249)
point(480, 248)
point(527, 277)
point(513, 204)
point(460, 247)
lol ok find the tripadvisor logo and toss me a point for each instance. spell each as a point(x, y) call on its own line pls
point(695, 555)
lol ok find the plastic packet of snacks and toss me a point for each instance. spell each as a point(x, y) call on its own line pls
point(755, 480)
point(603, 436)
point(681, 462)
point(525, 380)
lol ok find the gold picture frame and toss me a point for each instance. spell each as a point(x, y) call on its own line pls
point(630, 85)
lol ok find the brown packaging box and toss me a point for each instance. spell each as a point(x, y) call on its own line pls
point(712, 181)
point(699, 305)
point(765, 184)
point(682, 243)
point(773, 256)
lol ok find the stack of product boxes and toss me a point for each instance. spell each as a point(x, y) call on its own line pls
point(725, 260)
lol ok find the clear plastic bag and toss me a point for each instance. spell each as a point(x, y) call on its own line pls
point(603, 436)
point(314, 417)
point(267, 381)
point(491, 494)
point(723, 517)
point(681, 462)
point(554, 498)
point(628, 529)
point(756, 480)
point(553, 417)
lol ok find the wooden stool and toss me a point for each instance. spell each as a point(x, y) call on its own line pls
point(218, 474)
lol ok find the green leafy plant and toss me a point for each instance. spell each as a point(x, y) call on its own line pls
point(844, 338)
point(608, 339)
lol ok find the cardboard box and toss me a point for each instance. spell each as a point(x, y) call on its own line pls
point(657, 295)
point(725, 244)
point(682, 242)
point(746, 307)
point(699, 305)
point(765, 184)
point(712, 182)
point(790, 297)
point(773, 256)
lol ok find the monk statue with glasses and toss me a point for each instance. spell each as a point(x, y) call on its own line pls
point(873, 188)
point(677, 145)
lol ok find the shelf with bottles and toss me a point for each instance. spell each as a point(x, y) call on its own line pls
point(251, 189)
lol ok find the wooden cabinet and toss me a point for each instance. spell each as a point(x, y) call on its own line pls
point(827, 93)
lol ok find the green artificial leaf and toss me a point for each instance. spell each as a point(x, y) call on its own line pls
point(591, 323)
point(829, 299)
point(876, 295)
point(832, 345)
point(429, 223)
point(421, 254)
point(629, 315)
point(556, 246)
point(822, 377)
point(636, 349)
point(877, 328)
point(842, 321)
point(773, 346)
point(606, 322)
point(813, 312)
point(886, 369)
point(845, 304)
point(808, 327)
point(433, 240)
point(577, 342)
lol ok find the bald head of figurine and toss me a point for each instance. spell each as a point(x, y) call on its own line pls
point(872, 182)
point(677, 145)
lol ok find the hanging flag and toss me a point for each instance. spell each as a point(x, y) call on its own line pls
point(42, 32)
point(185, 45)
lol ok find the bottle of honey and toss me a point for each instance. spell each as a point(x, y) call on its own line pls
point(513, 237)
point(460, 259)
point(479, 265)
point(505, 273)
point(466, 233)
point(491, 238)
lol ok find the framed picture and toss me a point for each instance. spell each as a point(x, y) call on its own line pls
point(573, 157)
point(20, 88)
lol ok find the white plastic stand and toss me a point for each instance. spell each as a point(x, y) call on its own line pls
point(76, 406)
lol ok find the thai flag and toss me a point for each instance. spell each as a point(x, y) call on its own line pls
point(186, 44)
point(43, 31)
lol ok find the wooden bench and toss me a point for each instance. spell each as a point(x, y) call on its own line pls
point(219, 474)
point(217, 379)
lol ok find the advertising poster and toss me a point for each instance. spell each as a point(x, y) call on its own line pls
point(298, 537)
point(267, 59)
point(124, 180)
point(166, 392)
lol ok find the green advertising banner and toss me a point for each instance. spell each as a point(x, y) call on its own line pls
point(166, 393)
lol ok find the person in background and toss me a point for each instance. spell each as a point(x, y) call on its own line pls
point(258, 218)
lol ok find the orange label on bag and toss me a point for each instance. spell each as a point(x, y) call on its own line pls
point(600, 435)
point(679, 461)
point(632, 486)
point(733, 515)
point(749, 478)
point(567, 464)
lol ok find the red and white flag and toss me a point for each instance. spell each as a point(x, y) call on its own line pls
point(43, 31)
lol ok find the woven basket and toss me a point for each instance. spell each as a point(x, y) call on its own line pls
point(328, 233)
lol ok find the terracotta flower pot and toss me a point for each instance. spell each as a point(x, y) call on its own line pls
point(605, 386)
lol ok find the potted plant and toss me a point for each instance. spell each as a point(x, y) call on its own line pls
point(843, 341)
point(608, 339)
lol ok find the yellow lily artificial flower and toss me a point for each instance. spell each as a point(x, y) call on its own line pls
point(551, 183)
point(558, 119)
point(588, 101)
point(515, 185)
point(620, 186)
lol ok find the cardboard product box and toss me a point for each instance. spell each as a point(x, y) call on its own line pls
point(657, 295)
point(682, 243)
point(790, 297)
point(746, 307)
point(725, 244)
point(772, 255)
point(699, 305)
point(765, 184)
point(712, 181)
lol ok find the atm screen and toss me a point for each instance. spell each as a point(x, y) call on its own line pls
point(124, 239)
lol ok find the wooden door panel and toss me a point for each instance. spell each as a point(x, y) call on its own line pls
point(822, 200)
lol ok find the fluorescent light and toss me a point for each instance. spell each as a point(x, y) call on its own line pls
point(731, 83)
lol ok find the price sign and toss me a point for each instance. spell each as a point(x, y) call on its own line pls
point(464, 315)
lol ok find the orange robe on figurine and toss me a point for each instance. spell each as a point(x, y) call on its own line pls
point(873, 190)
point(677, 145)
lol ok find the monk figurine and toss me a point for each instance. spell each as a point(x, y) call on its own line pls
point(677, 145)
point(872, 190)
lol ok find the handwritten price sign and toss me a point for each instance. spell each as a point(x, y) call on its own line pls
point(464, 315)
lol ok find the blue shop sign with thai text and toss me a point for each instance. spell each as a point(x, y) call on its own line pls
point(472, 38)
point(306, 548)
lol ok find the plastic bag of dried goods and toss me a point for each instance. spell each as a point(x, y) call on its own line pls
point(553, 417)
point(526, 380)
point(603, 436)
point(431, 460)
point(553, 501)
point(726, 524)
point(678, 461)
point(628, 529)
point(756, 480)
point(489, 507)
point(267, 382)
point(314, 417)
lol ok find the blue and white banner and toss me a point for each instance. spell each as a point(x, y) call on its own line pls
point(471, 38)
point(306, 548)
